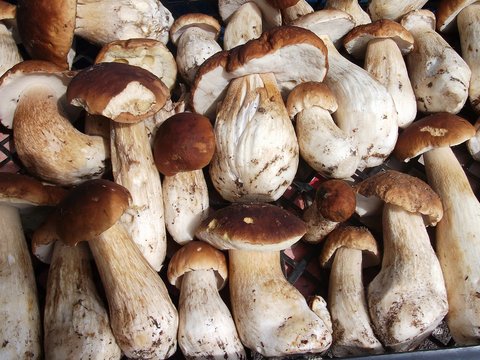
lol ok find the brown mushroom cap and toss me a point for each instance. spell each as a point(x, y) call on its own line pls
point(335, 200)
point(7, 10)
point(357, 39)
point(351, 237)
point(47, 28)
point(308, 95)
point(203, 21)
point(121, 92)
point(197, 255)
point(432, 131)
point(256, 227)
point(447, 12)
point(183, 142)
point(408, 192)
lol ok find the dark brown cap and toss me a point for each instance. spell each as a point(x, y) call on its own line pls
point(335, 200)
point(197, 255)
point(255, 227)
point(448, 10)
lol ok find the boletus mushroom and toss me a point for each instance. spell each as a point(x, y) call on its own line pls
point(351, 7)
point(9, 52)
point(393, 10)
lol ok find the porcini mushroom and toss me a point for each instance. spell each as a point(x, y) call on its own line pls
point(271, 16)
point(143, 318)
point(347, 251)
point(407, 299)
point(291, 13)
point(244, 24)
point(206, 328)
point(351, 7)
point(9, 52)
point(393, 10)
point(271, 315)
point(457, 241)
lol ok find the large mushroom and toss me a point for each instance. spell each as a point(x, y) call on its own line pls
point(393, 10)
point(206, 328)
point(271, 315)
point(457, 240)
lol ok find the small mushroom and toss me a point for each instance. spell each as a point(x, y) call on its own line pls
point(244, 24)
point(347, 251)
point(271, 315)
point(393, 10)
point(206, 328)
point(474, 143)
point(407, 299)
point(351, 7)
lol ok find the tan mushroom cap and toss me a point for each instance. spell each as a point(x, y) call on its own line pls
point(282, 4)
point(356, 41)
point(47, 28)
point(197, 255)
point(407, 191)
point(308, 95)
point(206, 22)
point(335, 200)
point(7, 10)
point(448, 10)
point(432, 131)
point(416, 18)
point(351, 237)
point(121, 92)
point(255, 227)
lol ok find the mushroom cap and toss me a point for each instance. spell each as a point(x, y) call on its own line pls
point(7, 10)
point(183, 142)
point(197, 255)
point(416, 18)
point(356, 41)
point(282, 4)
point(351, 237)
point(447, 12)
point(407, 191)
point(24, 75)
point(47, 28)
point(206, 22)
point(335, 200)
point(121, 92)
point(308, 95)
point(254, 226)
point(432, 131)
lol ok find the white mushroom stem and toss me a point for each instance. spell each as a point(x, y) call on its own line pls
point(245, 24)
point(352, 331)
point(317, 226)
point(206, 327)
point(296, 11)
point(407, 299)
point(49, 146)
point(186, 204)
point(271, 315)
point(107, 20)
point(351, 7)
point(9, 53)
point(393, 10)
point(142, 316)
point(458, 243)
point(134, 168)
point(20, 332)
point(76, 321)
point(384, 61)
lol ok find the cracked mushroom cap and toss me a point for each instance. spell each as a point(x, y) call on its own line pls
point(432, 131)
point(121, 92)
point(351, 237)
point(197, 255)
point(335, 200)
point(205, 22)
point(357, 39)
point(447, 12)
point(308, 95)
point(254, 227)
point(47, 28)
point(409, 192)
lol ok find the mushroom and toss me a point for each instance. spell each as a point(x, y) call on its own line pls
point(334, 203)
point(99, 22)
point(289, 14)
point(143, 318)
point(271, 315)
point(407, 299)
point(393, 10)
point(271, 16)
point(195, 36)
point(9, 52)
point(351, 7)
point(20, 332)
point(457, 241)
point(467, 14)
point(323, 145)
point(439, 76)
point(347, 251)
point(244, 24)
point(206, 328)
point(474, 142)
point(48, 145)
point(383, 44)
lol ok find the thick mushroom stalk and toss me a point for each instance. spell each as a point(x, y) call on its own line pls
point(351, 7)
point(439, 76)
point(291, 13)
point(244, 24)
point(393, 10)
point(271, 16)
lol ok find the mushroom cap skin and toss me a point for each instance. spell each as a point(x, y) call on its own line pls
point(206, 22)
point(121, 92)
point(351, 237)
point(183, 142)
point(50, 38)
point(197, 255)
point(357, 39)
point(406, 191)
point(447, 12)
point(310, 94)
point(432, 131)
point(335, 200)
point(254, 226)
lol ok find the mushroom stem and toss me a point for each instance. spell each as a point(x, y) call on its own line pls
point(405, 312)
point(302, 7)
point(9, 53)
point(199, 298)
point(317, 226)
point(270, 313)
point(458, 243)
point(20, 331)
point(143, 318)
point(351, 7)
point(76, 322)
